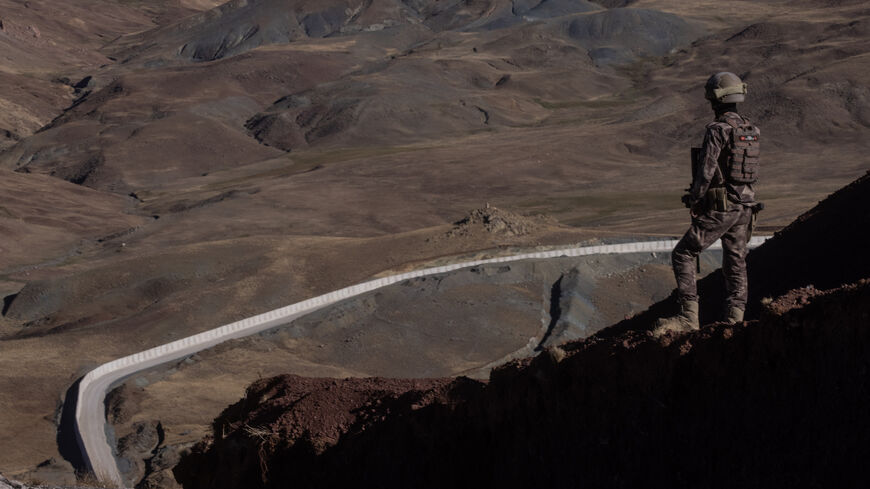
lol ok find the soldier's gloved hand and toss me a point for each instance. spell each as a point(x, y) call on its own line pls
point(687, 201)
point(697, 208)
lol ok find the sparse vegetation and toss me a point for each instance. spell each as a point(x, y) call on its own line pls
point(400, 116)
point(89, 480)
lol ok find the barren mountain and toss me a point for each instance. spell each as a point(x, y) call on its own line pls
point(170, 166)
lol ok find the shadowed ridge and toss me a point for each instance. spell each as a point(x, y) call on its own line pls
point(782, 399)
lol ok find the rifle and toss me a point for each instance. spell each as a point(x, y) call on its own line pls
point(695, 164)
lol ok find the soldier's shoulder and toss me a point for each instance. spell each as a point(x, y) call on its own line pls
point(718, 128)
point(717, 125)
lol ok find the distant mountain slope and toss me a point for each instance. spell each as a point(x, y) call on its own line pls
point(239, 26)
point(380, 73)
point(147, 192)
point(49, 46)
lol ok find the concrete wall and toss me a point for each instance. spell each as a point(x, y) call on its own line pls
point(90, 411)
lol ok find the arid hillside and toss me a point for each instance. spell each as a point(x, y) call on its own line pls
point(170, 166)
point(779, 400)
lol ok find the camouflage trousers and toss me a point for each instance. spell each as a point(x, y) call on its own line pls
point(733, 227)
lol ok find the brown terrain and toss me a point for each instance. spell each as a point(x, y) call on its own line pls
point(173, 165)
point(460, 323)
point(771, 402)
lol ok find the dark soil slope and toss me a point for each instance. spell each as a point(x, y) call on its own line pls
point(824, 247)
point(774, 402)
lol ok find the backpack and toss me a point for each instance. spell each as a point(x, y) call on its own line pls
point(744, 148)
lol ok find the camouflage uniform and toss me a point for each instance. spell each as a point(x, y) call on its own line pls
point(708, 225)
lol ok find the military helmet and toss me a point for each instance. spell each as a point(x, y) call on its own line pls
point(725, 88)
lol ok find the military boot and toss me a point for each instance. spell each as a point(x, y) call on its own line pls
point(686, 320)
point(734, 316)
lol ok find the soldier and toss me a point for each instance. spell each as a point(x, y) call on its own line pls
point(722, 205)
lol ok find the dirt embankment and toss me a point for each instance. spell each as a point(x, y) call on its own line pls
point(779, 400)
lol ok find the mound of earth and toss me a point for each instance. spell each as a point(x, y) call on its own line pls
point(716, 407)
point(492, 220)
point(327, 409)
point(621, 35)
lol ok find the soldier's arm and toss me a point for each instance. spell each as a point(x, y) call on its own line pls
point(714, 141)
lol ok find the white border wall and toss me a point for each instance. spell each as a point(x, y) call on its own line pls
point(90, 408)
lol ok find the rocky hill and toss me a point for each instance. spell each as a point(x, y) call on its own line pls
point(775, 401)
point(169, 166)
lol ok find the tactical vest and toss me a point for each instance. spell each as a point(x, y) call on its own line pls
point(741, 162)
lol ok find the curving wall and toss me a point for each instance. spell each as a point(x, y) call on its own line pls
point(90, 409)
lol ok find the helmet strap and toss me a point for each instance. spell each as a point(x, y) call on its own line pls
point(720, 108)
